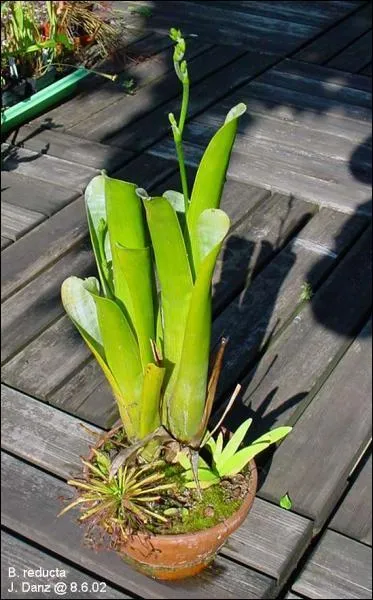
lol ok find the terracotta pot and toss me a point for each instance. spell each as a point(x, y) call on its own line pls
point(171, 557)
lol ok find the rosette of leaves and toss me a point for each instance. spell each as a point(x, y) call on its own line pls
point(231, 459)
point(147, 318)
point(123, 503)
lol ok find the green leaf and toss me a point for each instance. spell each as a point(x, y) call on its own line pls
point(122, 355)
point(210, 178)
point(234, 443)
point(176, 199)
point(187, 400)
point(206, 478)
point(81, 308)
point(126, 226)
point(285, 502)
point(149, 409)
point(96, 214)
point(274, 436)
point(238, 461)
point(175, 279)
point(135, 267)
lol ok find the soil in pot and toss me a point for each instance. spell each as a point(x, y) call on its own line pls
point(186, 532)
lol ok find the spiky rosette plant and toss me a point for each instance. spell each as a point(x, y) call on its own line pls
point(147, 318)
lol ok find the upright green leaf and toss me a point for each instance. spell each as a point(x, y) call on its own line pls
point(80, 306)
point(210, 178)
point(174, 277)
point(135, 266)
point(235, 442)
point(96, 215)
point(187, 399)
point(149, 409)
point(122, 354)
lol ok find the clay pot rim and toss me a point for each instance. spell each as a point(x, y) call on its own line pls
point(230, 524)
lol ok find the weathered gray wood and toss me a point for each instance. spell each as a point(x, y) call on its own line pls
point(154, 126)
point(357, 87)
point(356, 56)
point(43, 197)
point(72, 148)
point(259, 314)
point(30, 255)
point(47, 168)
point(26, 560)
point(283, 169)
point(354, 517)
point(292, 596)
point(306, 101)
point(289, 75)
point(87, 394)
point(225, 579)
point(48, 360)
point(38, 304)
point(16, 221)
point(339, 568)
point(315, 13)
point(264, 106)
point(330, 434)
point(336, 39)
point(254, 242)
point(96, 93)
point(5, 242)
point(303, 140)
point(270, 539)
point(107, 125)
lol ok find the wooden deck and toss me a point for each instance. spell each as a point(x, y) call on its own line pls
point(299, 196)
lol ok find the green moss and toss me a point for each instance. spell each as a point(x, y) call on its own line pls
point(195, 519)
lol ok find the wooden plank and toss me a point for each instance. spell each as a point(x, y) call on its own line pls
point(38, 304)
point(353, 517)
point(157, 85)
point(48, 360)
point(224, 579)
point(292, 11)
point(286, 75)
point(328, 437)
point(16, 221)
point(237, 72)
point(269, 540)
point(33, 253)
point(327, 75)
point(47, 168)
point(334, 40)
point(258, 316)
point(34, 194)
point(5, 242)
point(254, 242)
point(356, 56)
point(262, 105)
point(25, 560)
point(96, 93)
point(339, 568)
point(283, 169)
point(107, 125)
point(300, 138)
point(292, 596)
point(72, 148)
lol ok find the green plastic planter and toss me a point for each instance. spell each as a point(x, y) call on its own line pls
point(28, 109)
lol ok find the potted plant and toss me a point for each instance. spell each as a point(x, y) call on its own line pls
point(47, 48)
point(163, 491)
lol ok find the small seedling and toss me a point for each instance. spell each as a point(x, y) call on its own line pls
point(285, 502)
point(307, 292)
